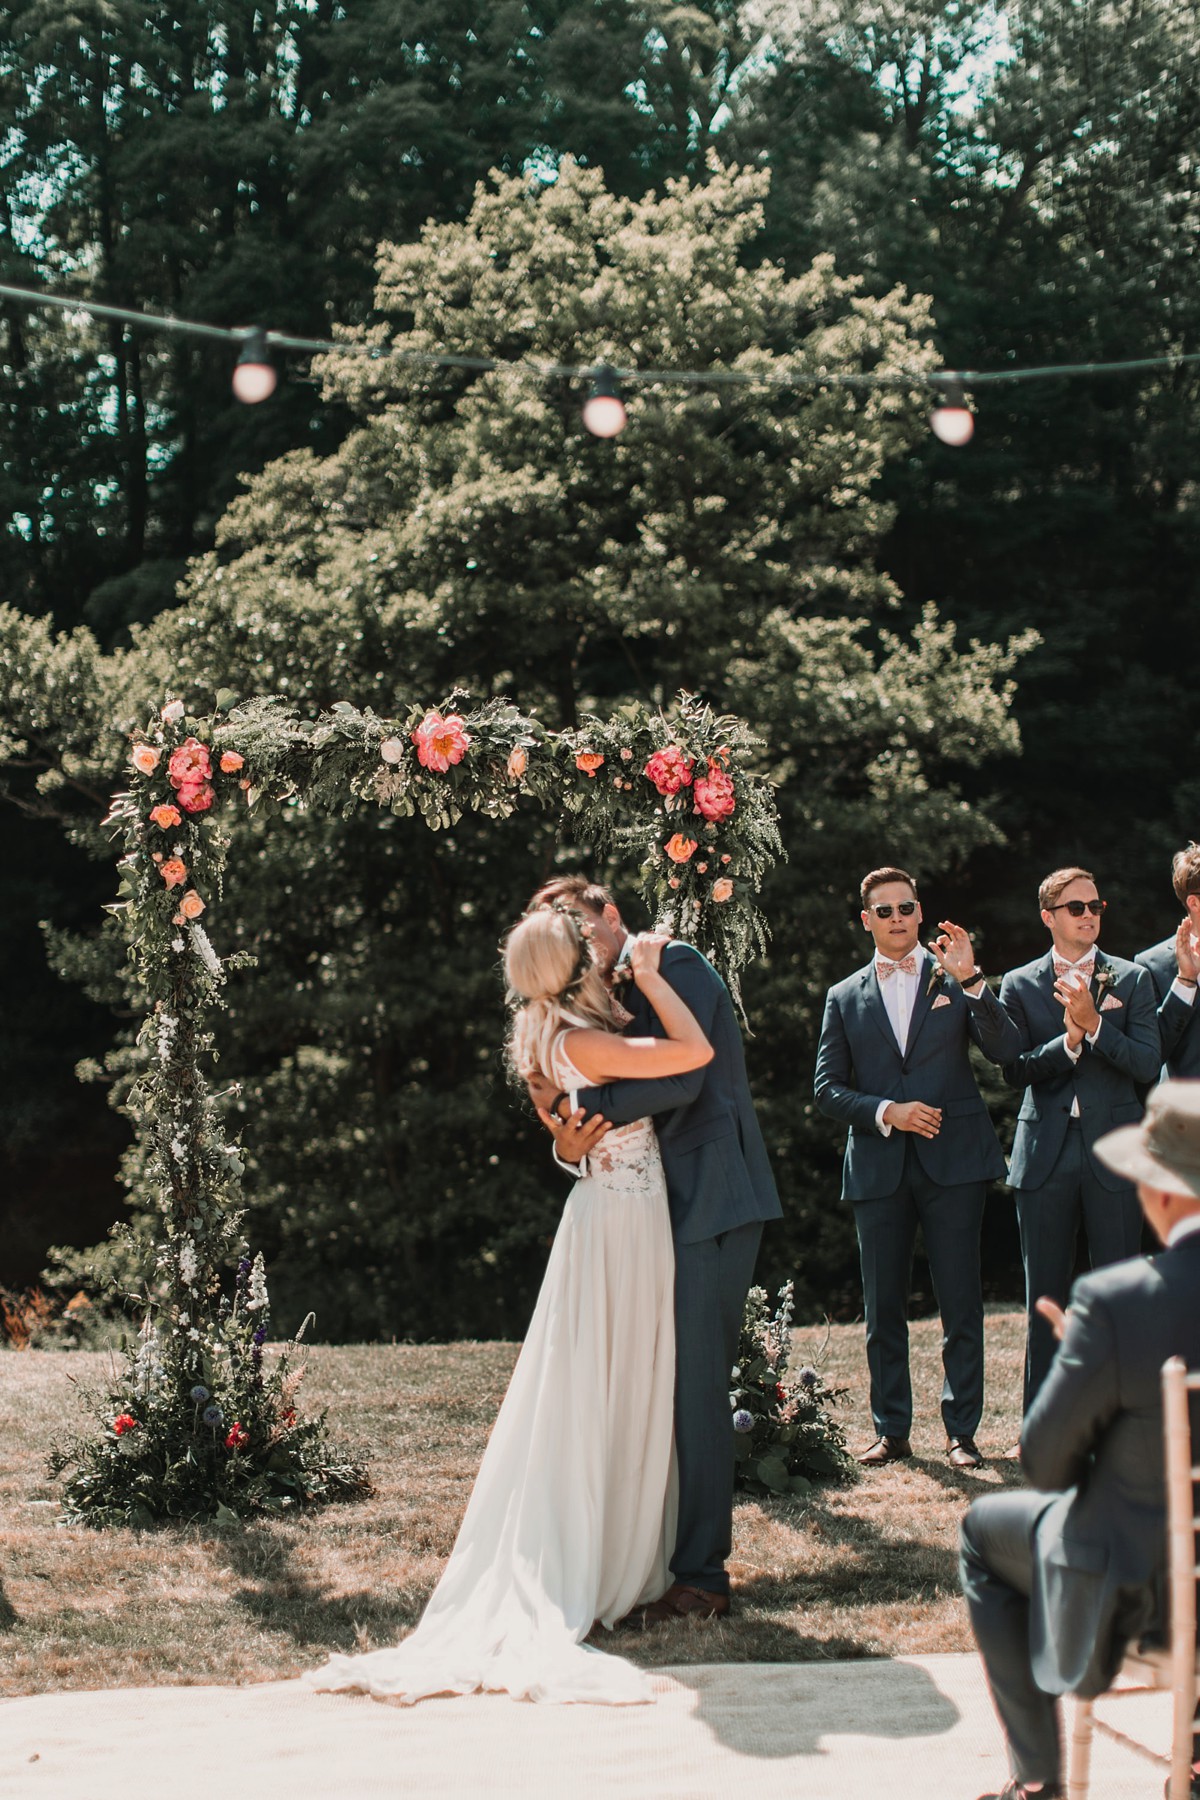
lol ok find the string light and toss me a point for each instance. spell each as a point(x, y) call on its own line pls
point(254, 377)
point(952, 419)
point(604, 410)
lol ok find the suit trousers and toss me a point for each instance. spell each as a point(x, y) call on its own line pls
point(1049, 1219)
point(996, 1570)
point(712, 1278)
point(950, 1219)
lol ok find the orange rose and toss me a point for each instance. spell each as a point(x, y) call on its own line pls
point(722, 890)
point(166, 817)
point(231, 762)
point(518, 762)
point(173, 872)
point(679, 848)
point(145, 758)
point(191, 906)
point(589, 761)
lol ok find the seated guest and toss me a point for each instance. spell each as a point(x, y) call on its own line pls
point(1059, 1581)
point(892, 1065)
point(1089, 1040)
point(1174, 967)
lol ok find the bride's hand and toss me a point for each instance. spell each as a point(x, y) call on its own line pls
point(648, 947)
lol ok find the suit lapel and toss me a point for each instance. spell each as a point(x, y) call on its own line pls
point(923, 1003)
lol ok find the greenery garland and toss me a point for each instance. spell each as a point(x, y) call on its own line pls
point(202, 1419)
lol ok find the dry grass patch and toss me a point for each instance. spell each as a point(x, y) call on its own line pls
point(868, 1570)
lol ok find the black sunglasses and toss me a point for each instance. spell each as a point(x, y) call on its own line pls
point(1077, 908)
point(906, 909)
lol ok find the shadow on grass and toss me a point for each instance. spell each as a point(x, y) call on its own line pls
point(282, 1597)
point(9, 1618)
point(999, 1475)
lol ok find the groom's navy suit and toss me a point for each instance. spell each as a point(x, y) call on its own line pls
point(720, 1190)
point(895, 1182)
point(1066, 1106)
point(1176, 1018)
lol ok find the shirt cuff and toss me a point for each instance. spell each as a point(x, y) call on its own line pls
point(881, 1128)
point(1093, 1035)
point(575, 1170)
point(1186, 994)
point(1074, 1054)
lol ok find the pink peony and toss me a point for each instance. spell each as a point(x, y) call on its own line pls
point(173, 872)
point(714, 794)
point(722, 890)
point(589, 761)
point(145, 758)
point(196, 796)
point(518, 762)
point(165, 817)
point(191, 906)
point(231, 762)
point(670, 769)
point(680, 848)
point(440, 742)
point(190, 764)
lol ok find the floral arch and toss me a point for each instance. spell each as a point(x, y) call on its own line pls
point(200, 1420)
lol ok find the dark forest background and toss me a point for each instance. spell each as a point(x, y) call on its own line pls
point(946, 183)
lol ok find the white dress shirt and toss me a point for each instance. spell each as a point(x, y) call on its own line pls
point(1085, 975)
point(899, 995)
point(1183, 1228)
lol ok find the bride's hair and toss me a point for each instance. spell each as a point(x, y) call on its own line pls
point(553, 985)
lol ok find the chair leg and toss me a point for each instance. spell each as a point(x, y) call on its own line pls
point(1079, 1767)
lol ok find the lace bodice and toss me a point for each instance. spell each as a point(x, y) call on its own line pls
point(628, 1158)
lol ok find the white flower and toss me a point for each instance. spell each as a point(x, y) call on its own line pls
point(204, 949)
point(178, 1149)
point(189, 1266)
point(392, 749)
point(147, 1363)
point(166, 1031)
point(258, 1286)
point(172, 712)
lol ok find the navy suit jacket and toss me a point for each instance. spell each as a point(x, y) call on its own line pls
point(1126, 1056)
point(714, 1158)
point(1095, 1430)
point(859, 1063)
point(1176, 1019)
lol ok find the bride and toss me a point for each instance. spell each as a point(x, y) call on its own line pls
point(571, 1521)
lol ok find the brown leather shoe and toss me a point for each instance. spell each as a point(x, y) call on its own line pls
point(963, 1453)
point(681, 1601)
point(885, 1450)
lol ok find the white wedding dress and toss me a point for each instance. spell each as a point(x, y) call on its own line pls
point(572, 1517)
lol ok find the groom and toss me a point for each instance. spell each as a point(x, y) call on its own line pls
point(720, 1190)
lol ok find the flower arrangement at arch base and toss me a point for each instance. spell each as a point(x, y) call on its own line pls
point(786, 1439)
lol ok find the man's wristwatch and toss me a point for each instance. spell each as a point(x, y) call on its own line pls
point(1186, 980)
point(976, 974)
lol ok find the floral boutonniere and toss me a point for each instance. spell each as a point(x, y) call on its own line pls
point(936, 976)
point(1104, 978)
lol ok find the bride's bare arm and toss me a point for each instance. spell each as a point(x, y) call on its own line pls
point(604, 1056)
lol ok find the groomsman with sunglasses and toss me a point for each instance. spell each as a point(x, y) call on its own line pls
point(1174, 967)
point(1089, 1040)
point(893, 1065)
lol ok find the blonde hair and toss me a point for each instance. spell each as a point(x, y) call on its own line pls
point(553, 986)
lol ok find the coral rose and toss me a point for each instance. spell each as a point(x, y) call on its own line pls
point(165, 817)
point(589, 761)
point(231, 762)
point(722, 890)
point(440, 741)
point(196, 796)
point(680, 848)
point(173, 872)
point(669, 770)
point(190, 764)
point(145, 758)
point(518, 762)
point(191, 906)
point(714, 795)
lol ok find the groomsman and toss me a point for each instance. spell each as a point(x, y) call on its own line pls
point(1089, 1040)
point(893, 1065)
point(1174, 967)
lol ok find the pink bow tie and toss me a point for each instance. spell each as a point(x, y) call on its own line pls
point(885, 970)
point(1086, 967)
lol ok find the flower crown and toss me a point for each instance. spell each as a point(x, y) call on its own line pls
point(582, 935)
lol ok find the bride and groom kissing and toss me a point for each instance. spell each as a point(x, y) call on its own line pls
point(605, 1494)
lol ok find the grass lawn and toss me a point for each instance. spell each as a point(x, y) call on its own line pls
point(868, 1570)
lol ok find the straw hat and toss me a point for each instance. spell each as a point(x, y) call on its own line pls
point(1164, 1150)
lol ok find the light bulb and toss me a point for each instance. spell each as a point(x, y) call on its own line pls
point(254, 378)
point(604, 411)
point(952, 420)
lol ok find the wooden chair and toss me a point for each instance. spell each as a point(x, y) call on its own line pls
point(1173, 1668)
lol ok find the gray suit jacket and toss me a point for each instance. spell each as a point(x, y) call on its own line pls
point(1095, 1432)
point(1126, 1057)
point(1176, 1019)
point(716, 1165)
point(859, 1063)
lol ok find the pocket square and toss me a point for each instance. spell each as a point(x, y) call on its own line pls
point(1110, 1003)
point(944, 1000)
